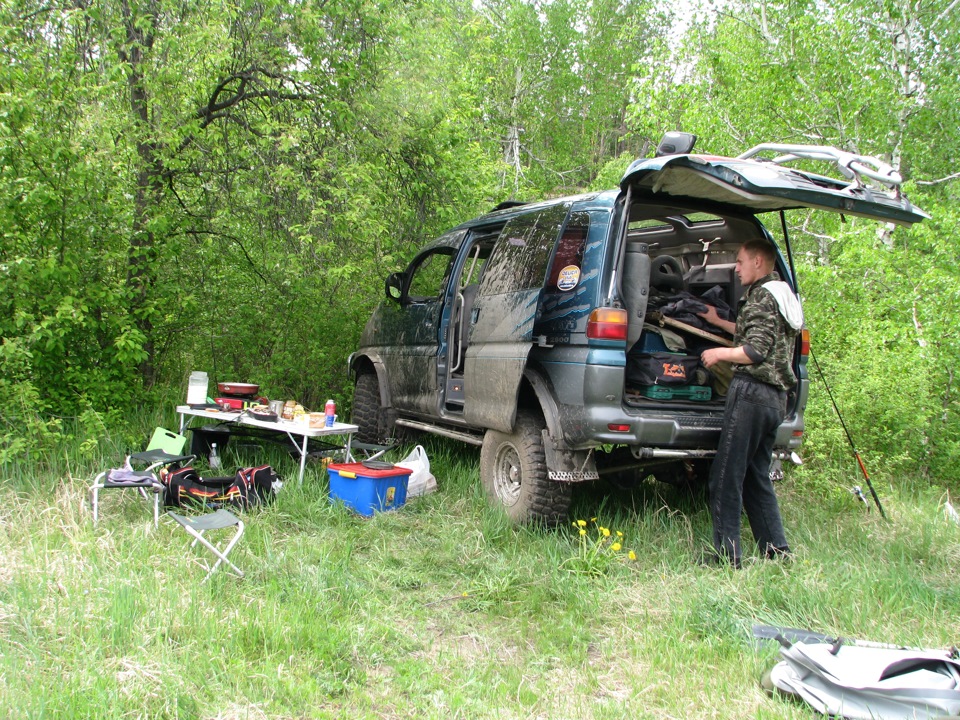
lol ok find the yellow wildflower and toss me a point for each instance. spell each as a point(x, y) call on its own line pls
point(582, 523)
point(632, 555)
point(605, 532)
point(582, 531)
point(616, 546)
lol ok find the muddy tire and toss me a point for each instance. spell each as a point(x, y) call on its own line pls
point(367, 413)
point(513, 471)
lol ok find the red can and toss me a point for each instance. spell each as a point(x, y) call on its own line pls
point(330, 410)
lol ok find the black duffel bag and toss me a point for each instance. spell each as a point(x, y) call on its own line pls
point(250, 486)
point(665, 369)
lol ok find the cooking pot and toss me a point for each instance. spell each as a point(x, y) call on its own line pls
point(242, 389)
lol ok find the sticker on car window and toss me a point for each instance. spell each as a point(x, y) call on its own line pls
point(568, 278)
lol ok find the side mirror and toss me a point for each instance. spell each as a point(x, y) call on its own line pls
point(676, 143)
point(394, 286)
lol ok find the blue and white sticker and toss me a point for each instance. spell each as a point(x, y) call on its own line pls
point(568, 278)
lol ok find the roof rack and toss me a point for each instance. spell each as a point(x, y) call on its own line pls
point(852, 166)
point(508, 204)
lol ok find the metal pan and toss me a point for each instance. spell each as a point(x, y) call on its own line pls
point(242, 389)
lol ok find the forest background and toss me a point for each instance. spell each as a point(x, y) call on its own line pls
point(200, 185)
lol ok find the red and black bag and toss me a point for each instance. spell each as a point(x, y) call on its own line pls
point(250, 486)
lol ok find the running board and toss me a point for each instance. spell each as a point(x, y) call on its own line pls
point(438, 430)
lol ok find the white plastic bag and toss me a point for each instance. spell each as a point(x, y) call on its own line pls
point(421, 479)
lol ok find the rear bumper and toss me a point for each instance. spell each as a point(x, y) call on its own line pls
point(598, 415)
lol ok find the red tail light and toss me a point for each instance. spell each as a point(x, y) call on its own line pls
point(607, 324)
point(804, 342)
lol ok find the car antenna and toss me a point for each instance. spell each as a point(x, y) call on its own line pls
point(856, 454)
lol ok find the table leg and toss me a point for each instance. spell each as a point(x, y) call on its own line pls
point(303, 458)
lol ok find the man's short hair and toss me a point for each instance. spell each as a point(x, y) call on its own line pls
point(763, 247)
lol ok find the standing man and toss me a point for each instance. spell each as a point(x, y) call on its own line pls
point(768, 319)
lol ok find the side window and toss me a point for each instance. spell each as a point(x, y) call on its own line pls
point(567, 265)
point(520, 258)
point(476, 260)
point(429, 276)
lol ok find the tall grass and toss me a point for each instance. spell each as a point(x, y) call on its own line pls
point(441, 609)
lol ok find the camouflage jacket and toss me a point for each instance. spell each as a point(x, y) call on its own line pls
point(765, 336)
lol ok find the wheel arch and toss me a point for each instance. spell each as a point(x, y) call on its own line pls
point(361, 364)
point(535, 394)
point(564, 464)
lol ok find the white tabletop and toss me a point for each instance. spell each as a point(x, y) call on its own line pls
point(287, 426)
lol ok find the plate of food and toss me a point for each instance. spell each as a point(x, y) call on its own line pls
point(261, 412)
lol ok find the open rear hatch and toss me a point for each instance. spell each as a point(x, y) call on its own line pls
point(868, 186)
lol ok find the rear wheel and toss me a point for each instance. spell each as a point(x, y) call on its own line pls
point(367, 413)
point(513, 470)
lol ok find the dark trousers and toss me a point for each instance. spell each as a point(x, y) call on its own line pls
point(740, 474)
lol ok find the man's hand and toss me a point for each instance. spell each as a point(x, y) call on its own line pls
point(711, 317)
point(712, 356)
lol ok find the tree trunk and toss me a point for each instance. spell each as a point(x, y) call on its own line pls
point(142, 253)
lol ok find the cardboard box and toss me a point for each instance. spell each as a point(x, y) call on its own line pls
point(367, 491)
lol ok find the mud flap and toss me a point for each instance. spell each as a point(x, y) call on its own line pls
point(566, 465)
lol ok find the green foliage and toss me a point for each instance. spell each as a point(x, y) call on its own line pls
point(25, 429)
point(883, 333)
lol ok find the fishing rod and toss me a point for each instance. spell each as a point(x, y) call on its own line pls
point(856, 490)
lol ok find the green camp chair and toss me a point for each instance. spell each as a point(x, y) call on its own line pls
point(219, 520)
point(162, 451)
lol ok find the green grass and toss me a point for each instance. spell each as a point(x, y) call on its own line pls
point(442, 609)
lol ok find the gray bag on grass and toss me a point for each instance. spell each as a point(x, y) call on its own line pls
point(872, 683)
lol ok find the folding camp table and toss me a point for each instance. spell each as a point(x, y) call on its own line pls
point(293, 430)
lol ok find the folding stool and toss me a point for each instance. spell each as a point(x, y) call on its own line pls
point(219, 520)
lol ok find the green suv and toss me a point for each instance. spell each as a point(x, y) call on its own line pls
point(561, 336)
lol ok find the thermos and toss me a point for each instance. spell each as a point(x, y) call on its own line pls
point(330, 410)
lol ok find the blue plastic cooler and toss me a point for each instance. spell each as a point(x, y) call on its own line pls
point(368, 491)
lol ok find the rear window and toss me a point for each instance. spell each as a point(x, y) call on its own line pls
point(568, 259)
point(648, 224)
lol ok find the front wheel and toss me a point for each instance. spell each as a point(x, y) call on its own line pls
point(367, 413)
point(513, 471)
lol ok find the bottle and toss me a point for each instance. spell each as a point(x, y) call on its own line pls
point(330, 410)
point(214, 457)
